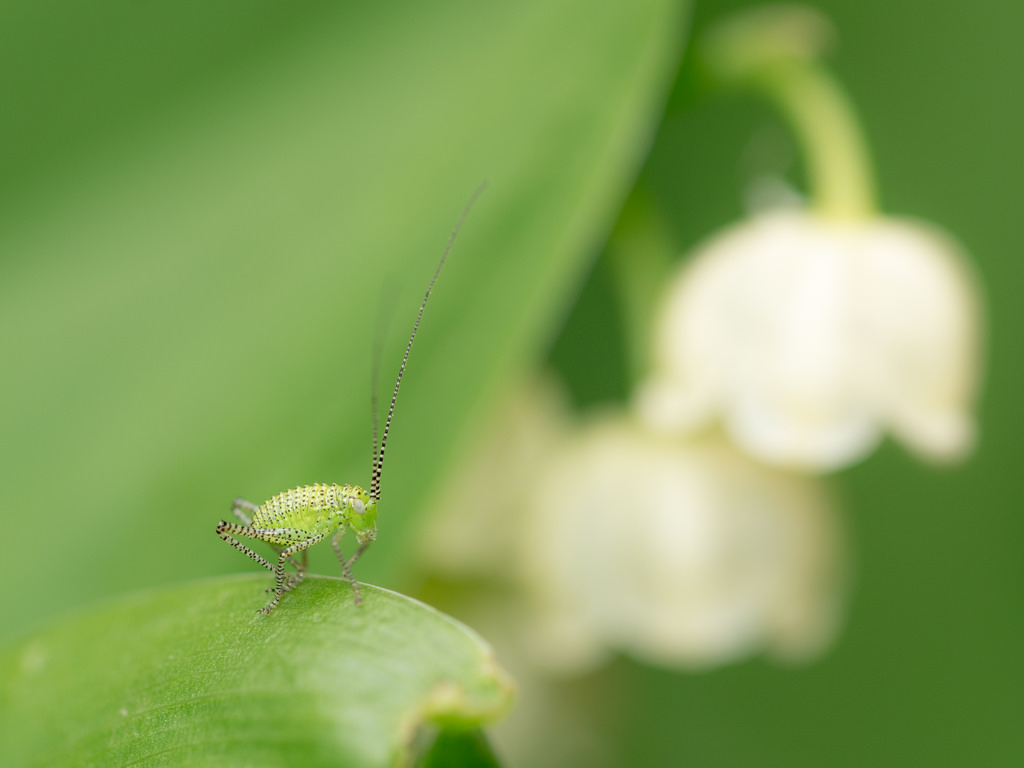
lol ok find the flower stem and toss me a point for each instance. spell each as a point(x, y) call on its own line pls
point(774, 51)
point(839, 172)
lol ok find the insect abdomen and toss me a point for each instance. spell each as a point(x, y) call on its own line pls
point(280, 511)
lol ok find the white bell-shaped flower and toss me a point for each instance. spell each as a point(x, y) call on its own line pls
point(807, 337)
point(676, 552)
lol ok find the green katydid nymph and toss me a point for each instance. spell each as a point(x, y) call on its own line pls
point(293, 521)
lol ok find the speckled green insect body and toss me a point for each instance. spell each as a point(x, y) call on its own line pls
point(293, 521)
point(319, 509)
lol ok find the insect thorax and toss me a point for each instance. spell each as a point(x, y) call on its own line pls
point(304, 506)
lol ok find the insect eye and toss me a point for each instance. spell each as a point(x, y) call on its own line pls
point(357, 506)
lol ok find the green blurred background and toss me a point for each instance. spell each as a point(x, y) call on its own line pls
point(204, 205)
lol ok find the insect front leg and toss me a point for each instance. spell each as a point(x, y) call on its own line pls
point(346, 565)
point(346, 570)
point(355, 556)
point(283, 558)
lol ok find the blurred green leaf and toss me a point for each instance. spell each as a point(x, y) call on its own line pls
point(203, 218)
point(194, 675)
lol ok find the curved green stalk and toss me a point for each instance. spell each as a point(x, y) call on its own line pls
point(775, 51)
point(839, 171)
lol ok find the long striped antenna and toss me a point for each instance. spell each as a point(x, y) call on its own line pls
point(378, 345)
point(378, 456)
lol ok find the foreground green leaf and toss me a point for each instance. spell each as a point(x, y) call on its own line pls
point(194, 675)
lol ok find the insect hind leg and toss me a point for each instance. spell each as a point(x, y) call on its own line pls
point(237, 506)
point(224, 529)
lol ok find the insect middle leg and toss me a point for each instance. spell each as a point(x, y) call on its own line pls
point(294, 579)
point(279, 570)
